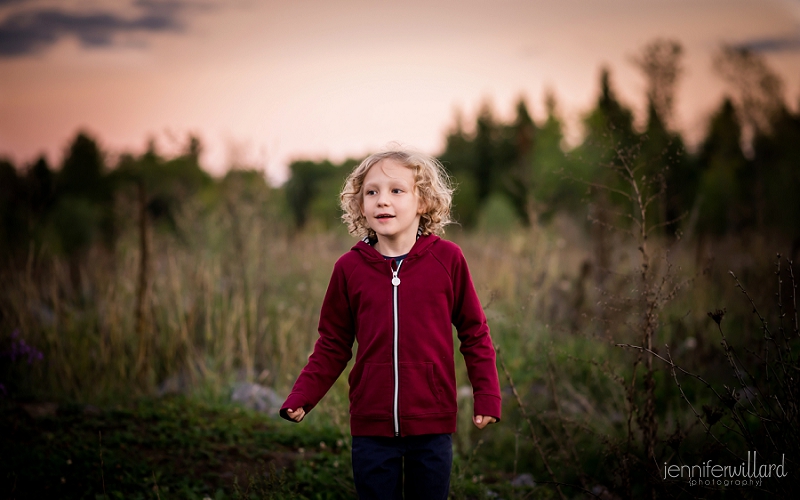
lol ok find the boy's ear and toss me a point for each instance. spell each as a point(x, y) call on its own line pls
point(422, 206)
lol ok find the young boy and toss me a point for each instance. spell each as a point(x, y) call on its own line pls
point(397, 292)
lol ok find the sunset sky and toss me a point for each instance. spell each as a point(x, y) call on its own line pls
point(265, 82)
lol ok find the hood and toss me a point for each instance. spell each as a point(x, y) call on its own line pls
point(421, 246)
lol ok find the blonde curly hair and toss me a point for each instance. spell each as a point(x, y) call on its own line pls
point(431, 182)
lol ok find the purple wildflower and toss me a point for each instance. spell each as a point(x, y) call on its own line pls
point(20, 349)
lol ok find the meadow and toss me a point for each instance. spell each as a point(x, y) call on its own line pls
point(641, 296)
point(235, 295)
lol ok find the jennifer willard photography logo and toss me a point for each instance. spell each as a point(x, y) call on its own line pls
point(748, 473)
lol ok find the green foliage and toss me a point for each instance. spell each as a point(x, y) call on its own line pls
point(83, 173)
point(12, 220)
point(775, 164)
point(725, 185)
point(459, 160)
point(312, 191)
point(167, 183)
point(513, 159)
point(610, 144)
point(41, 187)
point(266, 484)
point(609, 126)
point(497, 215)
point(485, 148)
point(171, 448)
point(465, 208)
point(551, 191)
point(84, 190)
point(77, 222)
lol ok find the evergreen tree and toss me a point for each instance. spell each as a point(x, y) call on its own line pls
point(662, 157)
point(775, 161)
point(84, 209)
point(725, 198)
point(551, 169)
point(610, 142)
point(485, 153)
point(40, 182)
point(305, 186)
point(458, 158)
point(666, 170)
point(609, 126)
point(82, 174)
point(513, 167)
point(12, 219)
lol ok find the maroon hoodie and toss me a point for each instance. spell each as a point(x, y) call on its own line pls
point(403, 381)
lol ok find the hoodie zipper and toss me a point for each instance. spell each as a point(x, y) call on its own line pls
point(395, 362)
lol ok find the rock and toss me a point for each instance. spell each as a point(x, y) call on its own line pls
point(40, 410)
point(603, 493)
point(257, 397)
point(92, 411)
point(179, 383)
point(524, 480)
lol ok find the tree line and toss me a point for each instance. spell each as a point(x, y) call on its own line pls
point(742, 177)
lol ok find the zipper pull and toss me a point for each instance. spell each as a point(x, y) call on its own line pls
point(395, 279)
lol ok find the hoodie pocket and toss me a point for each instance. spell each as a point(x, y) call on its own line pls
point(372, 395)
point(419, 392)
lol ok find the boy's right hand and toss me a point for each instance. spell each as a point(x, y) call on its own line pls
point(296, 415)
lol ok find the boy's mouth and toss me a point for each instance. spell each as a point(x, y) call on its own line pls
point(384, 216)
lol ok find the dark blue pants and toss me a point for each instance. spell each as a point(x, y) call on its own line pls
point(385, 466)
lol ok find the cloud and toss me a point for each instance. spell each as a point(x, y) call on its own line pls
point(776, 44)
point(30, 31)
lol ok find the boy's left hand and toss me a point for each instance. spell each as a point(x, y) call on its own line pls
point(482, 421)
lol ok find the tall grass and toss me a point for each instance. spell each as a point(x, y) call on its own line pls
point(235, 295)
point(232, 295)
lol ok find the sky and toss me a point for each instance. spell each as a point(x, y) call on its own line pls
point(263, 83)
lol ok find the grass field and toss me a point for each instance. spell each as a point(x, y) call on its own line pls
point(234, 297)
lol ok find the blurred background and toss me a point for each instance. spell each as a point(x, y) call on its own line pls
point(169, 179)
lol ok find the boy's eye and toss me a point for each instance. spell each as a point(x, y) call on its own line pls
point(397, 190)
point(370, 192)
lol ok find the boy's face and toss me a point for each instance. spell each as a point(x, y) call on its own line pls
point(390, 202)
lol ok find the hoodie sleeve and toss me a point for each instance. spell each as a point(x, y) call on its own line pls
point(332, 351)
point(476, 343)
